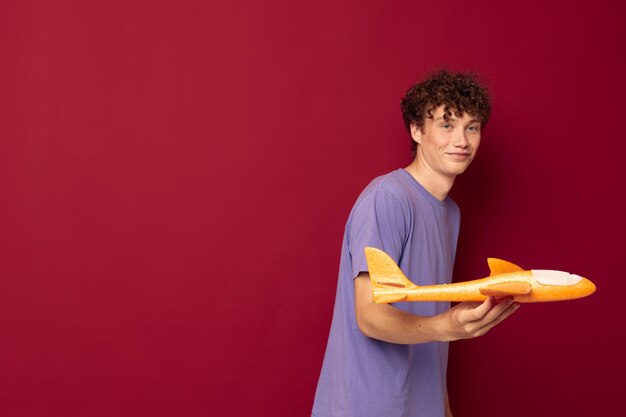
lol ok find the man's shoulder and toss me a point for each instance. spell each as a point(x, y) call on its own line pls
point(403, 191)
point(396, 183)
point(391, 190)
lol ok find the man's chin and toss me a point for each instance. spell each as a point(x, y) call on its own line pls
point(459, 170)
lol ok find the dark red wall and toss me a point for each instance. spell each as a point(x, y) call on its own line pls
point(175, 177)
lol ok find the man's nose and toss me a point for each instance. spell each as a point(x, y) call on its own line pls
point(460, 140)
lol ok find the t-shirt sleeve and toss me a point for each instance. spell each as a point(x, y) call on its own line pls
point(379, 220)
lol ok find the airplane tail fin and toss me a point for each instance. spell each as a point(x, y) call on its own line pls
point(388, 280)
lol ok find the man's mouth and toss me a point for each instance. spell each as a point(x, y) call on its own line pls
point(459, 155)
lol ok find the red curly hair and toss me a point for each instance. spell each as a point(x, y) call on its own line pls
point(456, 91)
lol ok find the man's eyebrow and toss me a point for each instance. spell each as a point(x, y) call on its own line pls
point(453, 119)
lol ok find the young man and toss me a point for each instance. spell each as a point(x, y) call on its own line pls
point(391, 360)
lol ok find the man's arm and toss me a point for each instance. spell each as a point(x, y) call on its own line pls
point(463, 321)
point(448, 410)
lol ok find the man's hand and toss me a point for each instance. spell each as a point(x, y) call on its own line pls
point(467, 320)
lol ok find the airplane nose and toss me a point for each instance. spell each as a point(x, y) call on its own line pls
point(588, 287)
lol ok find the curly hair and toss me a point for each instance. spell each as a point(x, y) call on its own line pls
point(456, 91)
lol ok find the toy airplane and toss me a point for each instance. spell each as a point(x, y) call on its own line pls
point(390, 285)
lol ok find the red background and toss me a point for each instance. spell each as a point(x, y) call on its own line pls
point(175, 177)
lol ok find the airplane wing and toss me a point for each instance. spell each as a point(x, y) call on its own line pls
point(507, 288)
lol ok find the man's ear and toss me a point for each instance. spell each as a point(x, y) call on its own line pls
point(416, 133)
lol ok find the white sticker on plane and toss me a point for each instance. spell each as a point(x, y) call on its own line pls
point(549, 277)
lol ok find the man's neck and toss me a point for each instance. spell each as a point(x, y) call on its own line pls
point(436, 184)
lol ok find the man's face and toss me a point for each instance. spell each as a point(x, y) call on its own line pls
point(447, 147)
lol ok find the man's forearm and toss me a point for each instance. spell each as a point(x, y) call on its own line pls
point(389, 324)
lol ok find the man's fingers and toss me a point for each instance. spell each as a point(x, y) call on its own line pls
point(511, 308)
point(476, 320)
point(490, 308)
point(497, 310)
point(486, 312)
point(480, 311)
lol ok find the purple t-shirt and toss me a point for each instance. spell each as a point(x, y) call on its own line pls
point(365, 377)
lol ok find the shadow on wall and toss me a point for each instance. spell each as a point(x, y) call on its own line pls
point(479, 193)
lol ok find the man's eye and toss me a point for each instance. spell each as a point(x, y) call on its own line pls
point(473, 128)
point(446, 126)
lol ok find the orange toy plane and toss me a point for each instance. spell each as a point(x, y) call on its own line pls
point(390, 285)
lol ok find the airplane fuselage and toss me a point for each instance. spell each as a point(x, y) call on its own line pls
point(389, 284)
point(471, 290)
